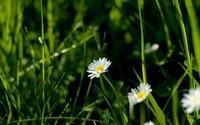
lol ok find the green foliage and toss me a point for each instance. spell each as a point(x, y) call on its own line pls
point(46, 46)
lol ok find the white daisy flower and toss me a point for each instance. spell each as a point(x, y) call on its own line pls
point(149, 48)
point(138, 95)
point(155, 47)
point(191, 101)
point(97, 67)
point(149, 123)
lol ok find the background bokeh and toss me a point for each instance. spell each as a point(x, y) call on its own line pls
point(87, 30)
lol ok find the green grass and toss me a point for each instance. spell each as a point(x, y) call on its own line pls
point(47, 45)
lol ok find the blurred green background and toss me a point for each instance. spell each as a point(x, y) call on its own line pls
point(75, 33)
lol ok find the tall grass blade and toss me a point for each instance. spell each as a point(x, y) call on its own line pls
point(184, 36)
point(175, 88)
point(9, 109)
point(159, 114)
point(50, 23)
point(175, 108)
point(167, 34)
point(195, 31)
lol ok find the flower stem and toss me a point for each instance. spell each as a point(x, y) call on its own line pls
point(109, 82)
point(142, 114)
point(102, 86)
point(185, 41)
point(88, 90)
point(140, 7)
point(131, 112)
point(117, 97)
point(43, 60)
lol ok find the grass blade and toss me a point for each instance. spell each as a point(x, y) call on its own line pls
point(195, 31)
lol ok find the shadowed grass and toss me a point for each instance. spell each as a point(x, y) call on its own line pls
point(46, 82)
point(184, 36)
point(195, 31)
point(144, 77)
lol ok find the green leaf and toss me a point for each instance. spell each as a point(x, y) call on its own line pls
point(5, 82)
point(190, 119)
point(194, 31)
point(159, 114)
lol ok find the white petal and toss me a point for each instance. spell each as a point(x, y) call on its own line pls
point(100, 62)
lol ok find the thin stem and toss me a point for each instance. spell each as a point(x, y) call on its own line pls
point(194, 31)
point(50, 25)
point(18, 95)
point(142, 114)
point(82, 75)
point(131, 112)
point(117, 97)
point(161, 68)
point(88, 91)
point(43, 69)
point(42, 20)
point(43, 57)
point(142, 43)
point(102, 86)
point(109, 82)
point(43, 60)
point(167, 35)
point(197, 114)
point(175, 108)
point(140, 7)
point(184, 36)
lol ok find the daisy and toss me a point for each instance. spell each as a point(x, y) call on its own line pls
point(155, 47)
point(149, 123)
point(191, 101)
point(138, 95)
point(149, 48)
point(98, 67)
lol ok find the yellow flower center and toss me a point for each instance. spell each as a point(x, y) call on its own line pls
point(99, 68)
point(140, 95)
